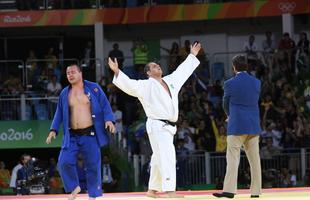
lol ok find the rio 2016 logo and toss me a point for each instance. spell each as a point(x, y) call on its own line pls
point(13, 135)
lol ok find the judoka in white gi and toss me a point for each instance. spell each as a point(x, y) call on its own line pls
point(159, 98)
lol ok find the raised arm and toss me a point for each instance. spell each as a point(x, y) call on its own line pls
point(134, 88)
point(186, 68)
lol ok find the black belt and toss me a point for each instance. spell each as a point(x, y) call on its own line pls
point(83, 131)
point(168, 122)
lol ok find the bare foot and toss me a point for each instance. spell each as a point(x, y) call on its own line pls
point(74, 193)
point(151, 193)
point(171, 194)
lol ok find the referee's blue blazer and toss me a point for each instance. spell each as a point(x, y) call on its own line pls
point(240, 103)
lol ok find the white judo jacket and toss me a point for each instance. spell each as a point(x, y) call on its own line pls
point(155, 100)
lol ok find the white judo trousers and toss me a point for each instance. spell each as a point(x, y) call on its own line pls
point(163, 161)
point(158, 104)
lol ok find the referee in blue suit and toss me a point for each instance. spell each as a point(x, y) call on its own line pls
point(240, 103)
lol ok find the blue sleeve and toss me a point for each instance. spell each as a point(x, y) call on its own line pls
point(105, 106)
point(226, 98)
point(20, 174)
point(57, 120)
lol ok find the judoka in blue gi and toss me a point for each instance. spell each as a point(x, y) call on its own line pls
point(85, 113)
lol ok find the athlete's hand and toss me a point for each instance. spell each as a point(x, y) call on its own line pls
point(51, 135)
point(114, 66)
point(110, 126)
point(195, 48)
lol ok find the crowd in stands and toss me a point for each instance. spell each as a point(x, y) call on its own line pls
point(82, 4)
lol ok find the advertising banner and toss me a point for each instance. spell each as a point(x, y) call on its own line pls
point(26, 134)
point(154, 14)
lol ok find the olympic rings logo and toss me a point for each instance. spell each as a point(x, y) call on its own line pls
point(287, 7)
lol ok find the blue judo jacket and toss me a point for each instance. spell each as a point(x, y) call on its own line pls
point(100, 108)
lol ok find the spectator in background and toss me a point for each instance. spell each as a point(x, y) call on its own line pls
point(286, 50)
point(140, 57)
point(269, 44)
point(185, 50)
point(103, 82)
point(51, 59)
point(271, 132)
point(111, 175)
point(31, 60)
point(306, 178)
point(269, 151)
point(4, 176)
point(216, 93)
point(270, 178)
point(88, 63)
point(53, 91)
point(118, 115)
point(33, 71)
point(269, 47)
point(303, 50)
point(220, 135)
point(287, 178)
point(13, 84)
point(174, 58)
point(23, 159)
point(116, 53)
point(53, 87)
point(41, 85)
point(250, 48)
point(88, 53)
point(22, 176)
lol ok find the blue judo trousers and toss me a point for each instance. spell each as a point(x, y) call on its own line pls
point(87, 145)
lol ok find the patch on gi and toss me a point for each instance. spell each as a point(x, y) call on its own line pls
point(96, 90)
point(171, 85)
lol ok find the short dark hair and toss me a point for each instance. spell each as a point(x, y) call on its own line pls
point(240, 63)
point(147, 68)
point(77, 66)
point(22, 157)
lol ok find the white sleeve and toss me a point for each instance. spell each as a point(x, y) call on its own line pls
point(132, 87)
point(184, 71)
